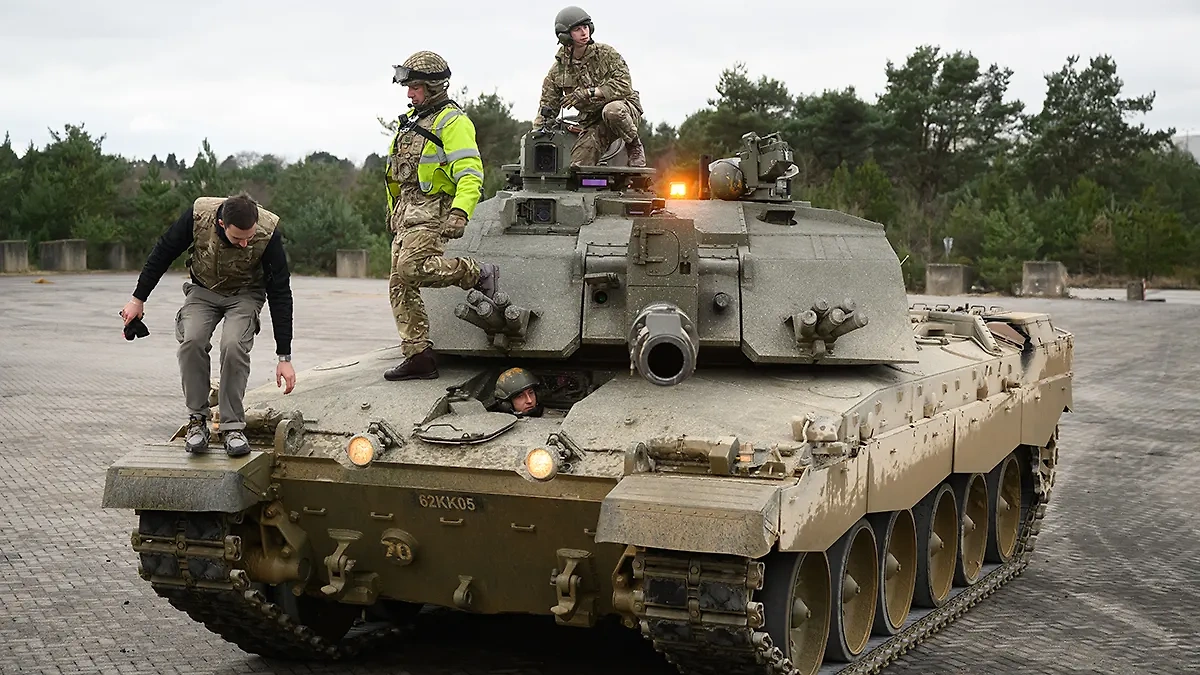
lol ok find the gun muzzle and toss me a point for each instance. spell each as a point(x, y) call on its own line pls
point(663, 344)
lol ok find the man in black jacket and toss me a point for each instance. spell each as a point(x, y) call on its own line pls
point(237, 262)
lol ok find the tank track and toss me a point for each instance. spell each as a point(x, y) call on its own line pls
point(198, 578)
point(698, 610)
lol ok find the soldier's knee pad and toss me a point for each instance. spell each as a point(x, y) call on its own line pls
point(614, 111)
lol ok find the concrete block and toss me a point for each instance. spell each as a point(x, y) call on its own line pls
point(1135, 290)
point(14, 256)
point(352, 263)
point(63, 255)
point(114, 257)
point(1044, 278)
point(946, 279)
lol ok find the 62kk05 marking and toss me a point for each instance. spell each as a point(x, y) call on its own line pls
point(427, 500)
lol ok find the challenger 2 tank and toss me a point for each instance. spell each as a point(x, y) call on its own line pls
point(750, 448)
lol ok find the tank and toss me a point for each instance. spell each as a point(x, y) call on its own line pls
point(751, 449)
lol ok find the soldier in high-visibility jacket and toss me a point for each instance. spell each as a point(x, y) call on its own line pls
point(434, 178)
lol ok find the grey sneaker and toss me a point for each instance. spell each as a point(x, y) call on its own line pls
point(236, 444)
point(195, 439)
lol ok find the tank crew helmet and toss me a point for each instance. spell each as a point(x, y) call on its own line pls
point(512, 382)
point(568, 18)
point(425, 68)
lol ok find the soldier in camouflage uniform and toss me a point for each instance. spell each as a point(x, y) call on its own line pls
point(434, 179)
point(593, 78)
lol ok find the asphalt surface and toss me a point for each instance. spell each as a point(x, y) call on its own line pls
point(1114, 586)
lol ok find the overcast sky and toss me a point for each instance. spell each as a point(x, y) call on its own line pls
point(293, 77)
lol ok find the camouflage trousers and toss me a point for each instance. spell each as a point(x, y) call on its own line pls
point(618, 119)
point(417, 262)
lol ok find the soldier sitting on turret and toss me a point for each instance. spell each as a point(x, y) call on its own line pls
point(515, 393)
point(593, 78)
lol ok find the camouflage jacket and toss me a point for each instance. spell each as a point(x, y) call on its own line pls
point(601, 67)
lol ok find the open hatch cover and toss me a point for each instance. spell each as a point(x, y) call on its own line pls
point(467, 422)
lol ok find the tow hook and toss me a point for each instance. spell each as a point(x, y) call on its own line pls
point(574, 588)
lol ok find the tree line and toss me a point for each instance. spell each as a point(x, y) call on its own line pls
point(942, 152)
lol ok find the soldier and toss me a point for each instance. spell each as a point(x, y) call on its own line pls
point(236, 258)
point(515, 393)
point(434, 179)
point(593, 78)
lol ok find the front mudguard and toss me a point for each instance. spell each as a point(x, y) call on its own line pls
point(170, 479)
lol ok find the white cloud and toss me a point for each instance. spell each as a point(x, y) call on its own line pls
point(293, 77)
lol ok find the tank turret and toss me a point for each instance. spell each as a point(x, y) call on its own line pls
point(750, 275)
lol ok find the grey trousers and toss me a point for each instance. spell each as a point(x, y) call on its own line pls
point(194, 326)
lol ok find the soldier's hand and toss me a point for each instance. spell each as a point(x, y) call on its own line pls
point(284, 372)
point(132, 310)
point(455, 224)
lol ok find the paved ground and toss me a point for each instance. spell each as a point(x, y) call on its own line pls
point(1114, 586)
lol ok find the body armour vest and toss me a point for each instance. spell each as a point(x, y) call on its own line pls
point(414, 208)
point(224, 268)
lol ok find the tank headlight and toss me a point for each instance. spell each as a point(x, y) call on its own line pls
point(541, 463)
point(362, 449)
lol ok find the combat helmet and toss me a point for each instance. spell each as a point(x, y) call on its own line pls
point(568, 18)
point(427, 68)
point(512, 382)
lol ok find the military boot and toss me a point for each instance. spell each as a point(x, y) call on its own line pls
point(195, 439)
point(236, 444)
point(637, 152)
point(489, 279)
point(422, 366)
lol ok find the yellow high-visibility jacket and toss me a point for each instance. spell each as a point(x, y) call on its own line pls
point(455, 168)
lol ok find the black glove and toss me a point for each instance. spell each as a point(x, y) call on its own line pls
point(136, 328)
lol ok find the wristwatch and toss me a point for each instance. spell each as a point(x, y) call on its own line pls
point(285, 357)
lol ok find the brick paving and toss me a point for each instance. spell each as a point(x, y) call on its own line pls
point(1113, 586)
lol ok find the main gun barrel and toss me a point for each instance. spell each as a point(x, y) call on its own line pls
point(663, 344)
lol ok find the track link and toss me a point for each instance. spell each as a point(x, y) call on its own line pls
point(699, 611)
point(199, 579)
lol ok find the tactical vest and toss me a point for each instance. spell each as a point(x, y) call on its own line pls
point(221, 267)
point(411, 161)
